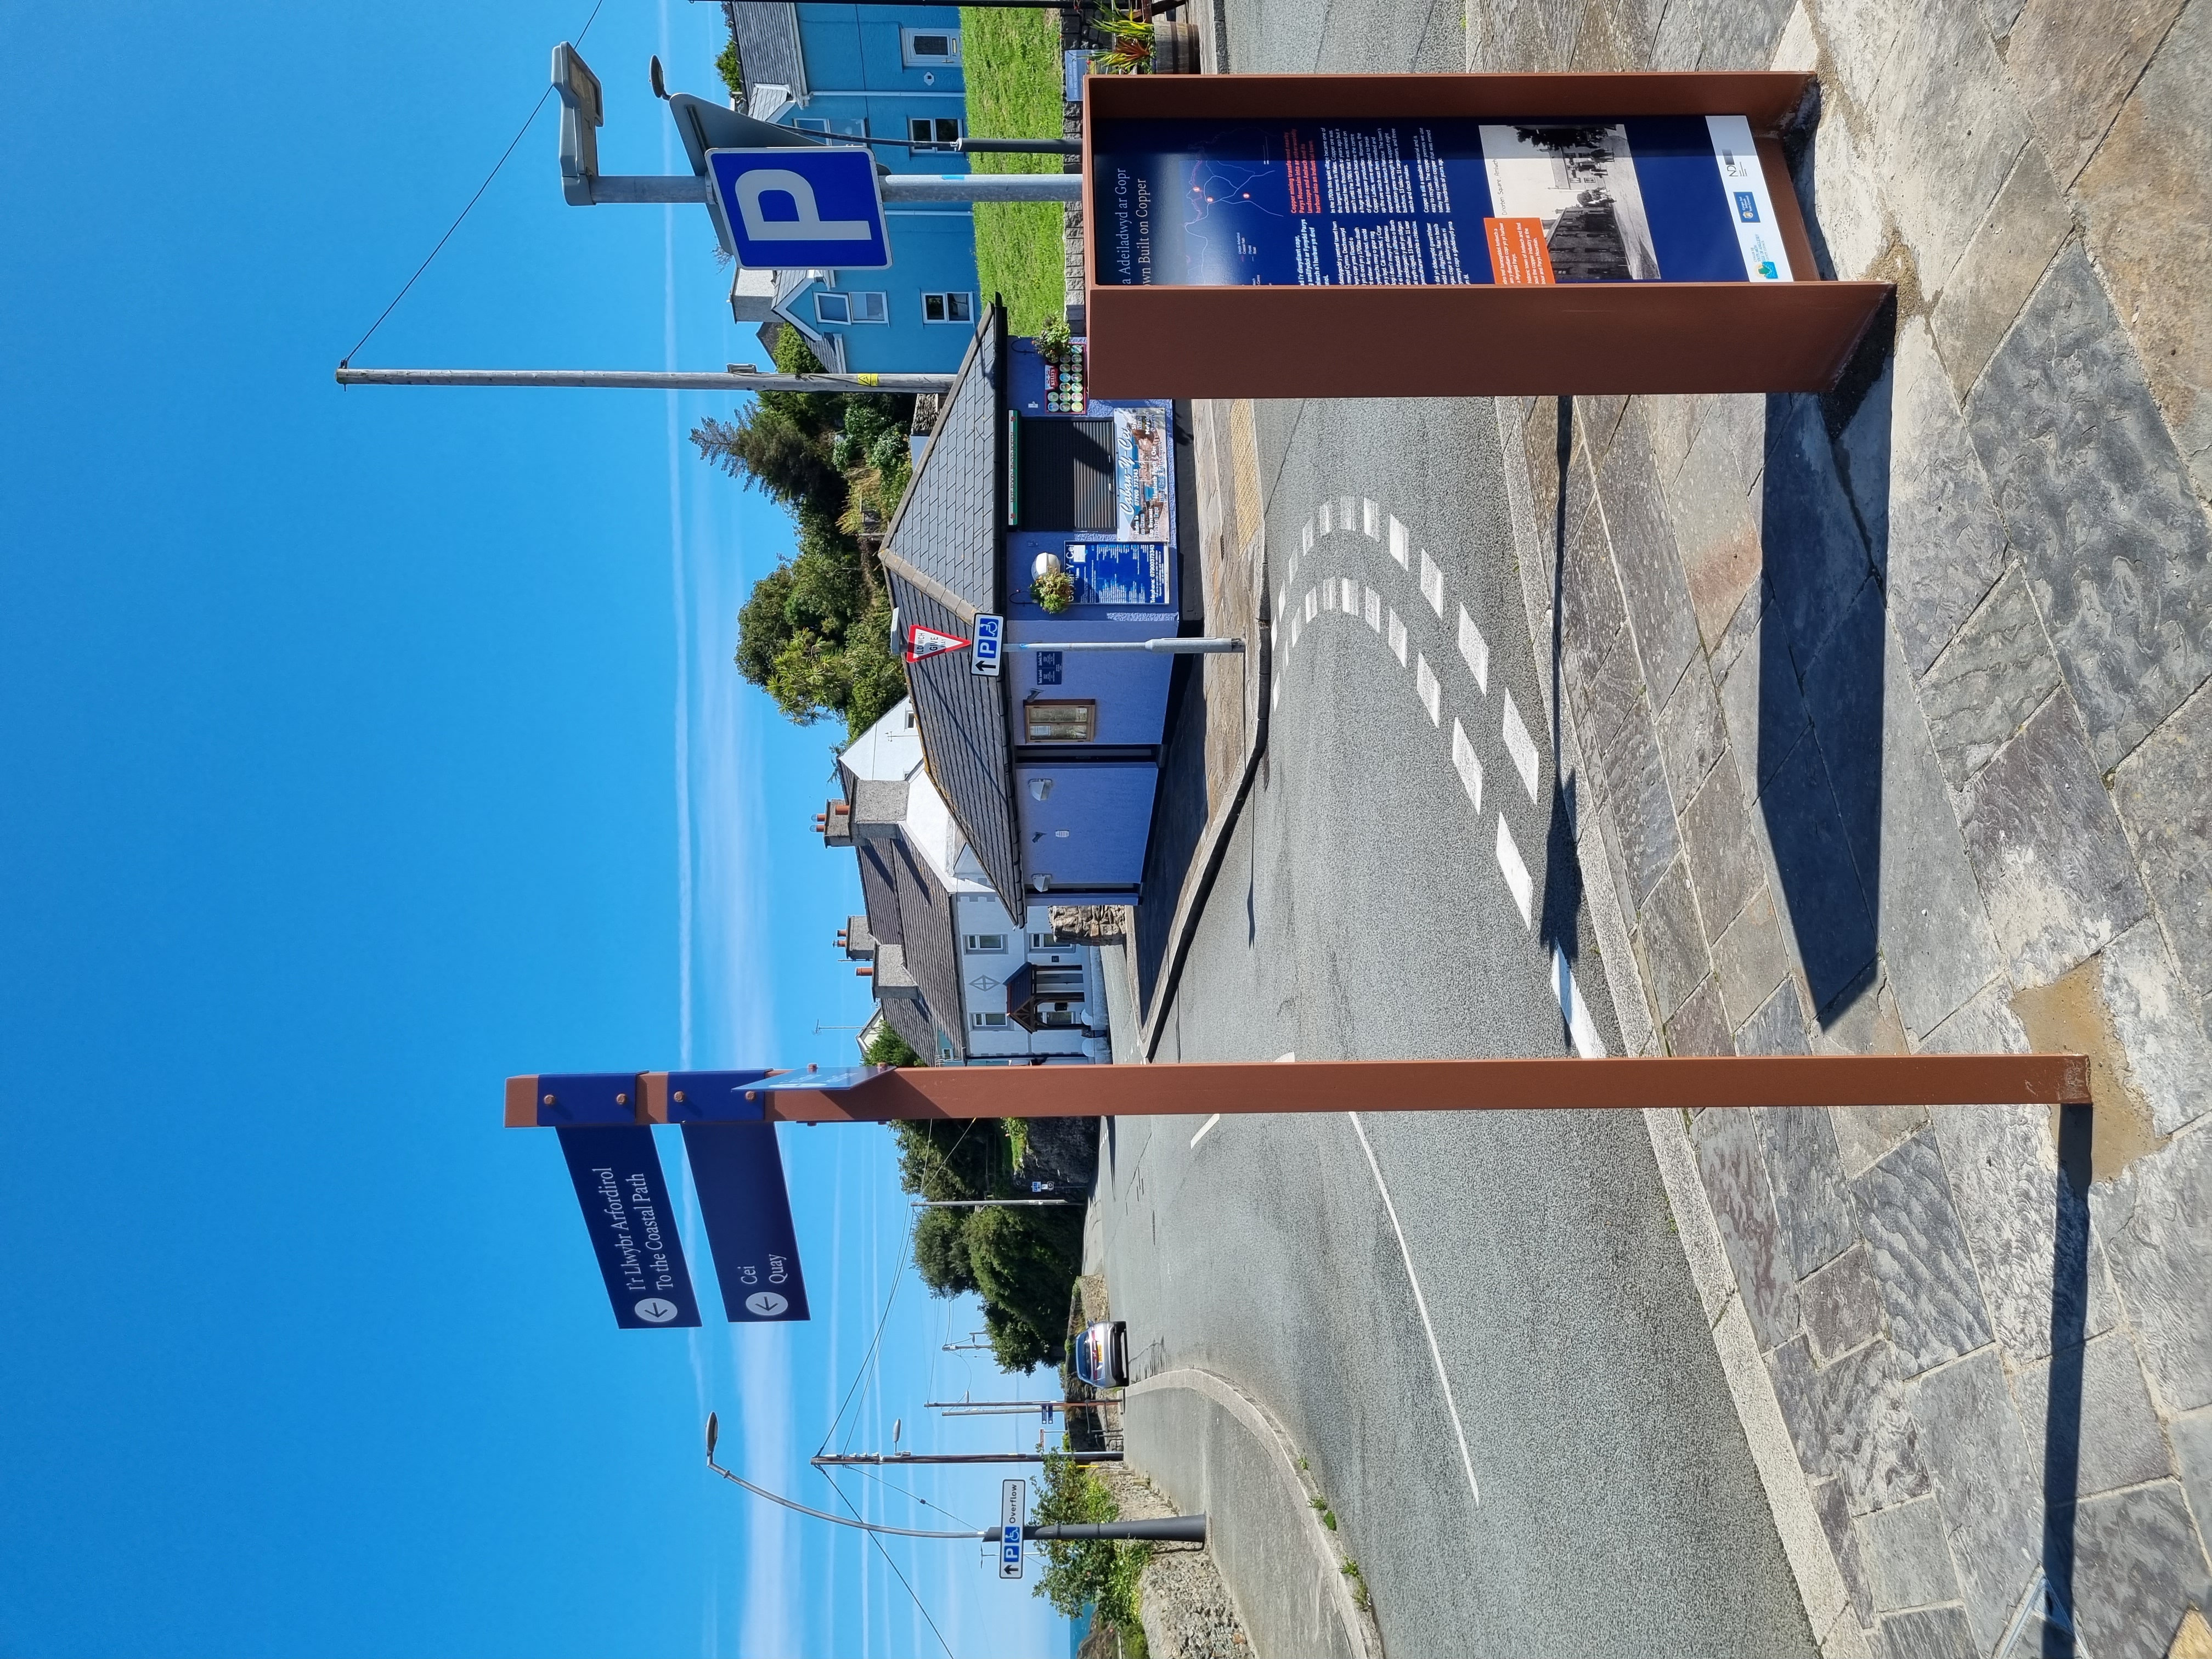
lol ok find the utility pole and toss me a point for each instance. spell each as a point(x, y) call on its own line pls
point(981, 1203)
point(737, 378)
point(1008, 1408)
point(890, 1460)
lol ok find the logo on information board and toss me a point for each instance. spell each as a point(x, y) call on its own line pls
point(990, 641)
point(1746, 207)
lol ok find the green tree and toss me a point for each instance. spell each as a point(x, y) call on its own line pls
point(732, 68)
point(888, 1048)
point(940, 1252)
point(1094, 1572)
point(1025, 1262)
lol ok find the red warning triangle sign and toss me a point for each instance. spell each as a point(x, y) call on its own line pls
point(928, 642)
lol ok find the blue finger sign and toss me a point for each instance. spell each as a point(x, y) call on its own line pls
point(788, 208)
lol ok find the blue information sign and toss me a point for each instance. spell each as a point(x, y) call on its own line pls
point(1423, 203)
point(990, 640)
point(633, 1227)
point(738, 1174)
point(788, 208)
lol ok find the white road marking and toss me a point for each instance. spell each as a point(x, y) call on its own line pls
point(1516, 872)
point(1520, 746)
point(1203, 1128)
point(1274, 692)
point(1370, 520)
point(1432, 584)
point(1374, 610)
point(1424, 682)
point(1283, 602)
point(1588, 1043)
point(1312, 601)
point(1323, 516)
point(1421, 1307)
point(1344, 511)
point(1297, 622)
point(1281, 1059)
point(1398, 638)
point(1398, 539)
point(1328, 595)
point(1475, 650)
point(1350, 606)
point(1305, 539)
point(1468, 767)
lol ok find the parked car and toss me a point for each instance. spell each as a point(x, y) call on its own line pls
point(1101, 1354)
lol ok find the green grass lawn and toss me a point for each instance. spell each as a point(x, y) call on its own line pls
point(1010, 58)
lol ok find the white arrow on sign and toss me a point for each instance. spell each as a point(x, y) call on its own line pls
point(928, 642)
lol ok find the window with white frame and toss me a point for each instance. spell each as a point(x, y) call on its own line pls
point(948, 308)
point(834, 305)
point(848, 126)
point(1044, 941)
point(987, 944)
point(929, 48)
point(987, 1021)
point(933, 131)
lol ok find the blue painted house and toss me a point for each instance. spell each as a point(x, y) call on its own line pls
point(1050, 768)
point(850, 73)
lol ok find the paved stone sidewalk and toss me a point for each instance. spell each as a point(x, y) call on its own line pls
point(1886, 714)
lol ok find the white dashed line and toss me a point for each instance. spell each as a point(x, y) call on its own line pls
point(1274, 692)
point(1398, 539)
point(1424, 682)
point(1374, 610)
point(1516, 872)
point(1588, 1043)
point(1202, 1128)
point(1282, 1059)
point(1328, 595)
point(1468, 767)
point(1323, 516)
point(1344, 512)
point(1312, 604)
point(1283, 602)
point(1421, 1307)
point(1398, 639)
point(1350, 600)
point(1305, 539)
point(1432, 584)
point(1370, 520)
point(1521, 747)
point(1474, 651)
point(1297, 622)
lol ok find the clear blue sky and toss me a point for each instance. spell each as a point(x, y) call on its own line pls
point(361, 748)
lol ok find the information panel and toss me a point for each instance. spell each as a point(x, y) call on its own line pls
point(625, 1202)
point(1441, 202)
point(739, 1174)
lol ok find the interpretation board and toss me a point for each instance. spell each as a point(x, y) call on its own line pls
point(1440, 235)
point(1418, 203)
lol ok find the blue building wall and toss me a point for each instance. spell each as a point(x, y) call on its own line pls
point(860, 83)
point(1092, 827)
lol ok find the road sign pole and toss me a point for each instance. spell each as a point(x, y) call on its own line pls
point(624, 379)
point(1198, 1089)
point(893, 1460)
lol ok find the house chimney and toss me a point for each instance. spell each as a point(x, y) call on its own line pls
point(865, 970)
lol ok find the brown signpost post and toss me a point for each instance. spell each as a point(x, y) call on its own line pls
point(1389, 279)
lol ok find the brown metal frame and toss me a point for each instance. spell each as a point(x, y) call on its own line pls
point(1198, 1089)
point(1481, 340)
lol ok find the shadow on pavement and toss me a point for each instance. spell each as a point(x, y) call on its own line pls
point(1179, 811)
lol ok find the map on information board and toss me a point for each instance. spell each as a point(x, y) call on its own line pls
point(1423, 203)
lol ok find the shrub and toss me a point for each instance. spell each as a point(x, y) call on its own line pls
point(1054, 592)
point(1093, 1573)
point(888, 1048)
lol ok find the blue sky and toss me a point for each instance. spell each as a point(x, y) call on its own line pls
point(363, 747)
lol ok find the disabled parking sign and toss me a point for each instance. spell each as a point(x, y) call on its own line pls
point(790, 207)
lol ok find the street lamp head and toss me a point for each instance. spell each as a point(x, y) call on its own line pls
point(714, 1433)
point(659, 83)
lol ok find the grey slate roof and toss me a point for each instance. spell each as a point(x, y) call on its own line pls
point(767, 43)
point(926, 925)
point(910, 1019)
point(879, 892)
point(944, 555)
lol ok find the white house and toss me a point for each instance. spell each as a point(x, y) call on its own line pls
point(952, 969)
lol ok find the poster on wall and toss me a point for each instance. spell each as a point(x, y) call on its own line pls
point(1275, 203)
point(1142, 457)
point(1119, 573)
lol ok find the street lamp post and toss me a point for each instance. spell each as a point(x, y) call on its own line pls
point(1170, 1529)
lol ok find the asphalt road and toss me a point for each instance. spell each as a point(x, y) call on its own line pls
point(1366, 907)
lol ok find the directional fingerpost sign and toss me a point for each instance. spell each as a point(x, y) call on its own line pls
point(990, 641)
point(928, 642)
point(786, 207)
point(625, 1202)
point(1013, 1506)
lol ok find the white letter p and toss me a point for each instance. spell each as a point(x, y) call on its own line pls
point(808, 227)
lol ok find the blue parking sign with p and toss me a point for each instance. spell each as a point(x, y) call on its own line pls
point(788, 208)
